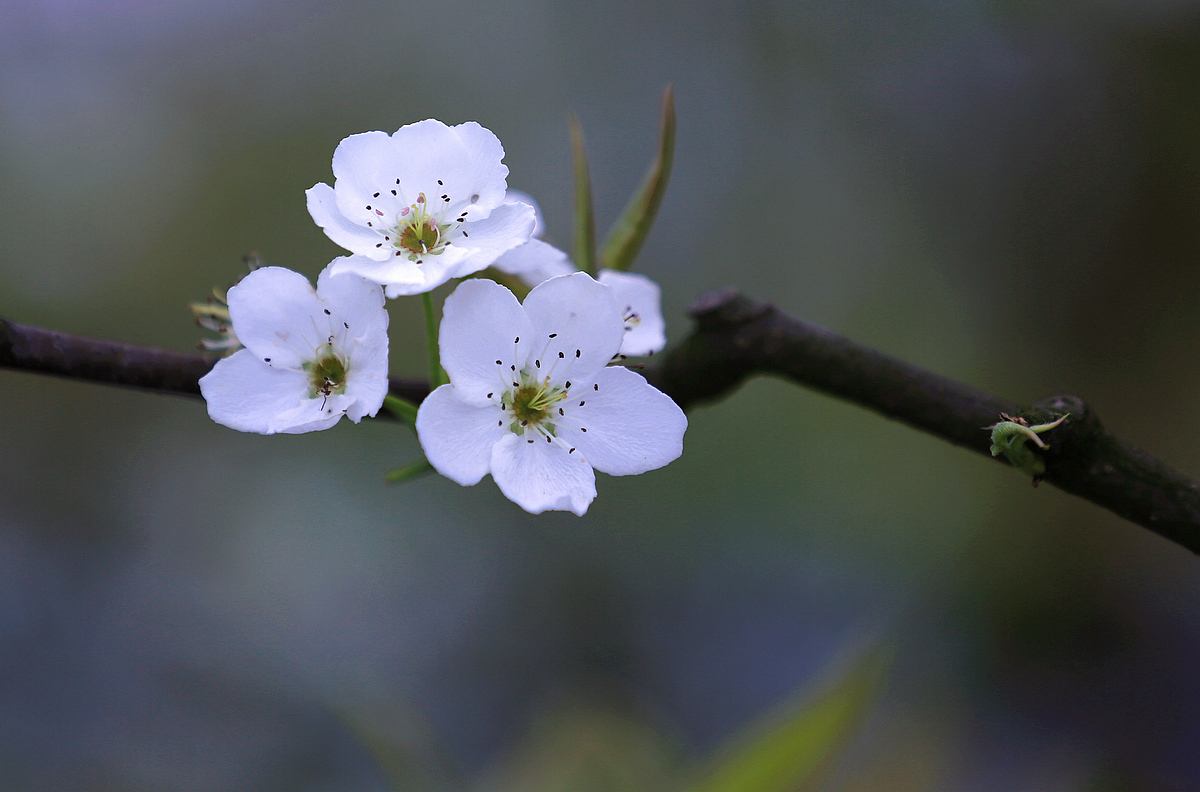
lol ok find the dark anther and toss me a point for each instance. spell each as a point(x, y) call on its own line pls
point(266, 360)
point(577, 353)
point(499, 363)
point(561, 355)
point(327, 312)
point(537, 363)
point(489, 395)
point(376, 195)
point(517, 340)
point(583, 428)
point(553, 335)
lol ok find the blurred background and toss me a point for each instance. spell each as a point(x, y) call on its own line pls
point(1005, 192)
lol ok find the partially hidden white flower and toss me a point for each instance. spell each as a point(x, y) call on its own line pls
point(638, 297)
point(531, 398)
point(310, 357)
point(640, 301)
point(420, 206)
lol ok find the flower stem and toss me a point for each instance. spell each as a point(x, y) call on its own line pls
point(408, 472)
point(403, 409)
point(431, 340)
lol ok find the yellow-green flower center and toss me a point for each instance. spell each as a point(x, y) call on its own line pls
point(326, 375)
point(534, 403)
point(421, 239)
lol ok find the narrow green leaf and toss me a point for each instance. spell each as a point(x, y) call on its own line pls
point(402, 408)
point(787, 750)
point(585, 218)
point(408, 472)
point(629, 232)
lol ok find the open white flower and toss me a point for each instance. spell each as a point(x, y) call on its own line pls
point(638, 297)
point(531, 398)
point(311, 355)
point(419, 206)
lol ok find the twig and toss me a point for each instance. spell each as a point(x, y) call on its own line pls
point(736, 338)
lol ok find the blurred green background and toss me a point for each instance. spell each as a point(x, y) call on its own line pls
point(1005, 192)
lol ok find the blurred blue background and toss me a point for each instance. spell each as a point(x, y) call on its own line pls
point(1005, 192)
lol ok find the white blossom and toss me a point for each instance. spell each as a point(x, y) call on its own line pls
point(638, 297)
point(533, 401)
point(310, 357)
point(420, 206)
point(640, 301)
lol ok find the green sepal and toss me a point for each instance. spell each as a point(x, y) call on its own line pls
point(627, 234)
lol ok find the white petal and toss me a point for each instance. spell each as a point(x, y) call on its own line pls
point(365, 164)
point(273, 312)
point(636, 294)
point(511, 224)
point(359, 325)
point(539, 222)
point(458, 437)
point(482, 323)
point(541, 476)
point(354, 300)
point(396, 272)
point(534, 262)
point(631, 426)
point(322, 205)
point(462, 162)
point(584, 319)
point(311, 415)
point(366, 378)
point(434, 271)
point(246, 394)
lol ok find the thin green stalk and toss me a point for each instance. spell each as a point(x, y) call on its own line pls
point(402, 408)
point(431, 340)
point(408, 472)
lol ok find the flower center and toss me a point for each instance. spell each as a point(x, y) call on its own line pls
point(421, 239)
point(326, 374)
point(418, 232)
point(532, 404)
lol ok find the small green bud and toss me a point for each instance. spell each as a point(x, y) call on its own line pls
point(1011, 437)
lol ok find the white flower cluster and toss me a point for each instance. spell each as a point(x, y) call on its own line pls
point(532, 397)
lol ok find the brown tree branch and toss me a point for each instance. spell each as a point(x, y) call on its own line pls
point(736, 338)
